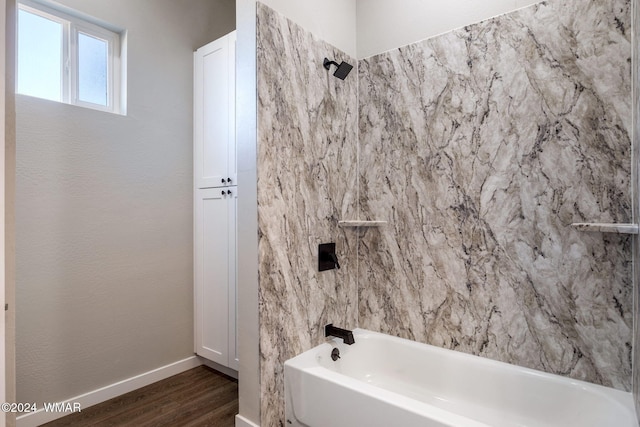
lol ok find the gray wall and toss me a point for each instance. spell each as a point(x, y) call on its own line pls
point(104, 212)
point(383, 25)
point(330, 20)
point(8, 9)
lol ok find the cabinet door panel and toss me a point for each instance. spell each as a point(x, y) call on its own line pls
point(212, 275)
point(212, 114)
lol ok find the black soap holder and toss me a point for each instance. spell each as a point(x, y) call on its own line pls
point(327, 259)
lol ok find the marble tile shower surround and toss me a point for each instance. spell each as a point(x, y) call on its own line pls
point(480, 147)
point(636, 241)
point(307, 149)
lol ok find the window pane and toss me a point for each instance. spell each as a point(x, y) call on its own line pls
point(39, 56)
point(92, 69)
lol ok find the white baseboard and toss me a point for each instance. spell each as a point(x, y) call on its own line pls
point(243, 422)
point(103, 394)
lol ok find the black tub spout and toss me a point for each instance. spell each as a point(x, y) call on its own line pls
point(332, 331)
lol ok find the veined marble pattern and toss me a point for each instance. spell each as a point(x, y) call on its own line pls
point(307, 149)
point(481, 147)
point(636, 195)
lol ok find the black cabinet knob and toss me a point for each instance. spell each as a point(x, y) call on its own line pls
point(223, 193)
point(229, 192)
point(223, 181)
point(229, 180)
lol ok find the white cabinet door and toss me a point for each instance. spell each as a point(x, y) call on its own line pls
point(215, 198)
point(214, 114)
point(211, 273)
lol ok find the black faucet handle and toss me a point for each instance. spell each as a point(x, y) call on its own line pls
point(334, 258)
point(327, 258)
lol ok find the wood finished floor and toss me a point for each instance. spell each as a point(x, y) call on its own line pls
point(197, 397)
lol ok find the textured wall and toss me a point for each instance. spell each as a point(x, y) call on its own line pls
point(636, 199)
point(7, 228)
point(104, 212)
point(307, 148)
point(481, 147)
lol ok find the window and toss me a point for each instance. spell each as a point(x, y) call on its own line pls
point(67, 59)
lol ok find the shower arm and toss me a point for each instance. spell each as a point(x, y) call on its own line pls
point(327, 64)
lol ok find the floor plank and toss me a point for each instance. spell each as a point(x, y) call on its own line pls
point(197, 397)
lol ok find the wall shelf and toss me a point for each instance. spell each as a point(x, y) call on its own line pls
point(606, 228)
point(361, 223)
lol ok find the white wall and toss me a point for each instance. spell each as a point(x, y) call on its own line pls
point(104, 212)
point(388, 24)
point(333, 21)
point(247, 245)
point(363, 28)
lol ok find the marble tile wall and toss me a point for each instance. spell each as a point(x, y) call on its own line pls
point(480, 147)
point(636, 202)
point(307, 149)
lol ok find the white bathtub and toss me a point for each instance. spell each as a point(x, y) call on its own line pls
point(391, 382)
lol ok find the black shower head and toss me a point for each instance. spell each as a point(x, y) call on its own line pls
point(342, 71)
